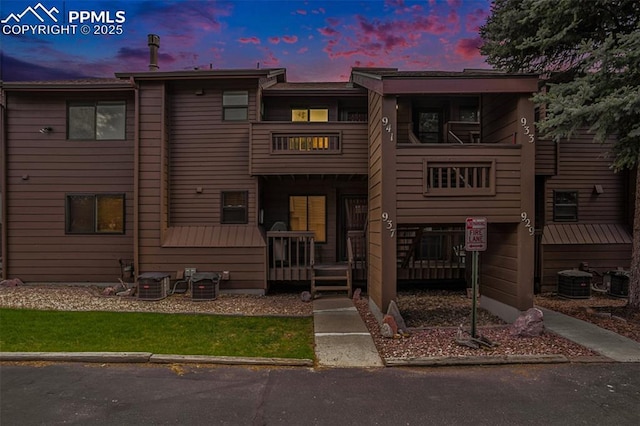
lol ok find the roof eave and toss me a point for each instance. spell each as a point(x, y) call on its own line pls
point(279, 73)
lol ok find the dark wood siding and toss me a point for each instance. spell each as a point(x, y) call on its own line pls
point(208, 153)
point(415, 207)
point(500, 120)
point(351, 158)
point(374, 254)
point(601, 257)
point(582, 165)
point(546, 157)
point(42, 169)
point(499, 264)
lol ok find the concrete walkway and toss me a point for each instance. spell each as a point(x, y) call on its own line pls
point(605, 342)
point(341, 337)
point(343, 340)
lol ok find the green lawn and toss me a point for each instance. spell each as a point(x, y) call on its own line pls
point(62, 331)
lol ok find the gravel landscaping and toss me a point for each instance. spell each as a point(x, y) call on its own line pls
point(432, 316)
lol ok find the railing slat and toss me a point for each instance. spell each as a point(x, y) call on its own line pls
point(292, 143)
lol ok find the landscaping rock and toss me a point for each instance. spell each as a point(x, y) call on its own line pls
point(388, 319)
point(357, 294)
point(108, 291)
point(305, 296)
point(386, 331)
point(528, 324)
point(395, 313)
point(15, 282)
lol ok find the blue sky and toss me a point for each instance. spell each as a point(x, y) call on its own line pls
point(314, 40)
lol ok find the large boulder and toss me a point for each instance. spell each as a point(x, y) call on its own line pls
point(528, 324)
point(15, 282)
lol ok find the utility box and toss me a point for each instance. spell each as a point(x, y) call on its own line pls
point(574, 284)
point(153, 285)
point(205, 285)
point(617, 282)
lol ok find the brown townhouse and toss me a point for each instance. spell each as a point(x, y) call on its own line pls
point(244, 172)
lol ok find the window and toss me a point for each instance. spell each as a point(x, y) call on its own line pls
point(234, 207)
point(235, 105)
point(429, 126)
point(565, 206)
point(96, 121)
point(95, 214)
point(469, 114)
point(310, 114)
point(308, 213)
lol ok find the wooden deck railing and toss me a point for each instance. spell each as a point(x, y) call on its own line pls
point(459, 177)
point(439, 254)
point(305, 143)
point(289, 255)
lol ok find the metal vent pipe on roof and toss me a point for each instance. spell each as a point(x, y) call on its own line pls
point(153, 41)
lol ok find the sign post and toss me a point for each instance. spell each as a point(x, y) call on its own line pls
point(475, 242)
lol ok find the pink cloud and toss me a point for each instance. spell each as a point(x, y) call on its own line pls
point(475, 19)
point(249, 40)
point(270, 60)
point(301, 12)
point(328, 31)
point(274, 40)
point(303, 50)
point(290, 39)
point(468, 48)
point(454, 3)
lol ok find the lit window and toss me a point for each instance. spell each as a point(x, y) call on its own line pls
point(565, 206)
point(234, 207)
point(308, 213)
point(235, 105)
point(95, 214)
point(96, 121)
point(310, 114)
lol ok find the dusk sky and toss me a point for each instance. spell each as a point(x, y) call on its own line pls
point(314, 40)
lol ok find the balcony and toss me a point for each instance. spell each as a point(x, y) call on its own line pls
point(292, 148)
point(445, 183)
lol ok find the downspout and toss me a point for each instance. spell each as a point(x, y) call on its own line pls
point(3, 182)
point(136, 177)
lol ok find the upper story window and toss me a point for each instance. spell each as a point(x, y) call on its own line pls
point(95, 214)
point(428, 125)
point(235, 105)
point(310, 114)
point(96, 120)
point(234, 207)
point(565, 206)
point(468, 114)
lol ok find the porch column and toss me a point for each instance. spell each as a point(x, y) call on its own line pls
point(526, 241)
point(382, 274)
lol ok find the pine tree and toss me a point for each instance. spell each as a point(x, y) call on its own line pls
point(589, 54)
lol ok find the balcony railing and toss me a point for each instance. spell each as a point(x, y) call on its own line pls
point(459, 177)
point(304, 143)
point(289, 255)
point(318, 148)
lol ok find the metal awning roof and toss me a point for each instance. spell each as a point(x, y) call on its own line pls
point(214, 236)
point(581, 233)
